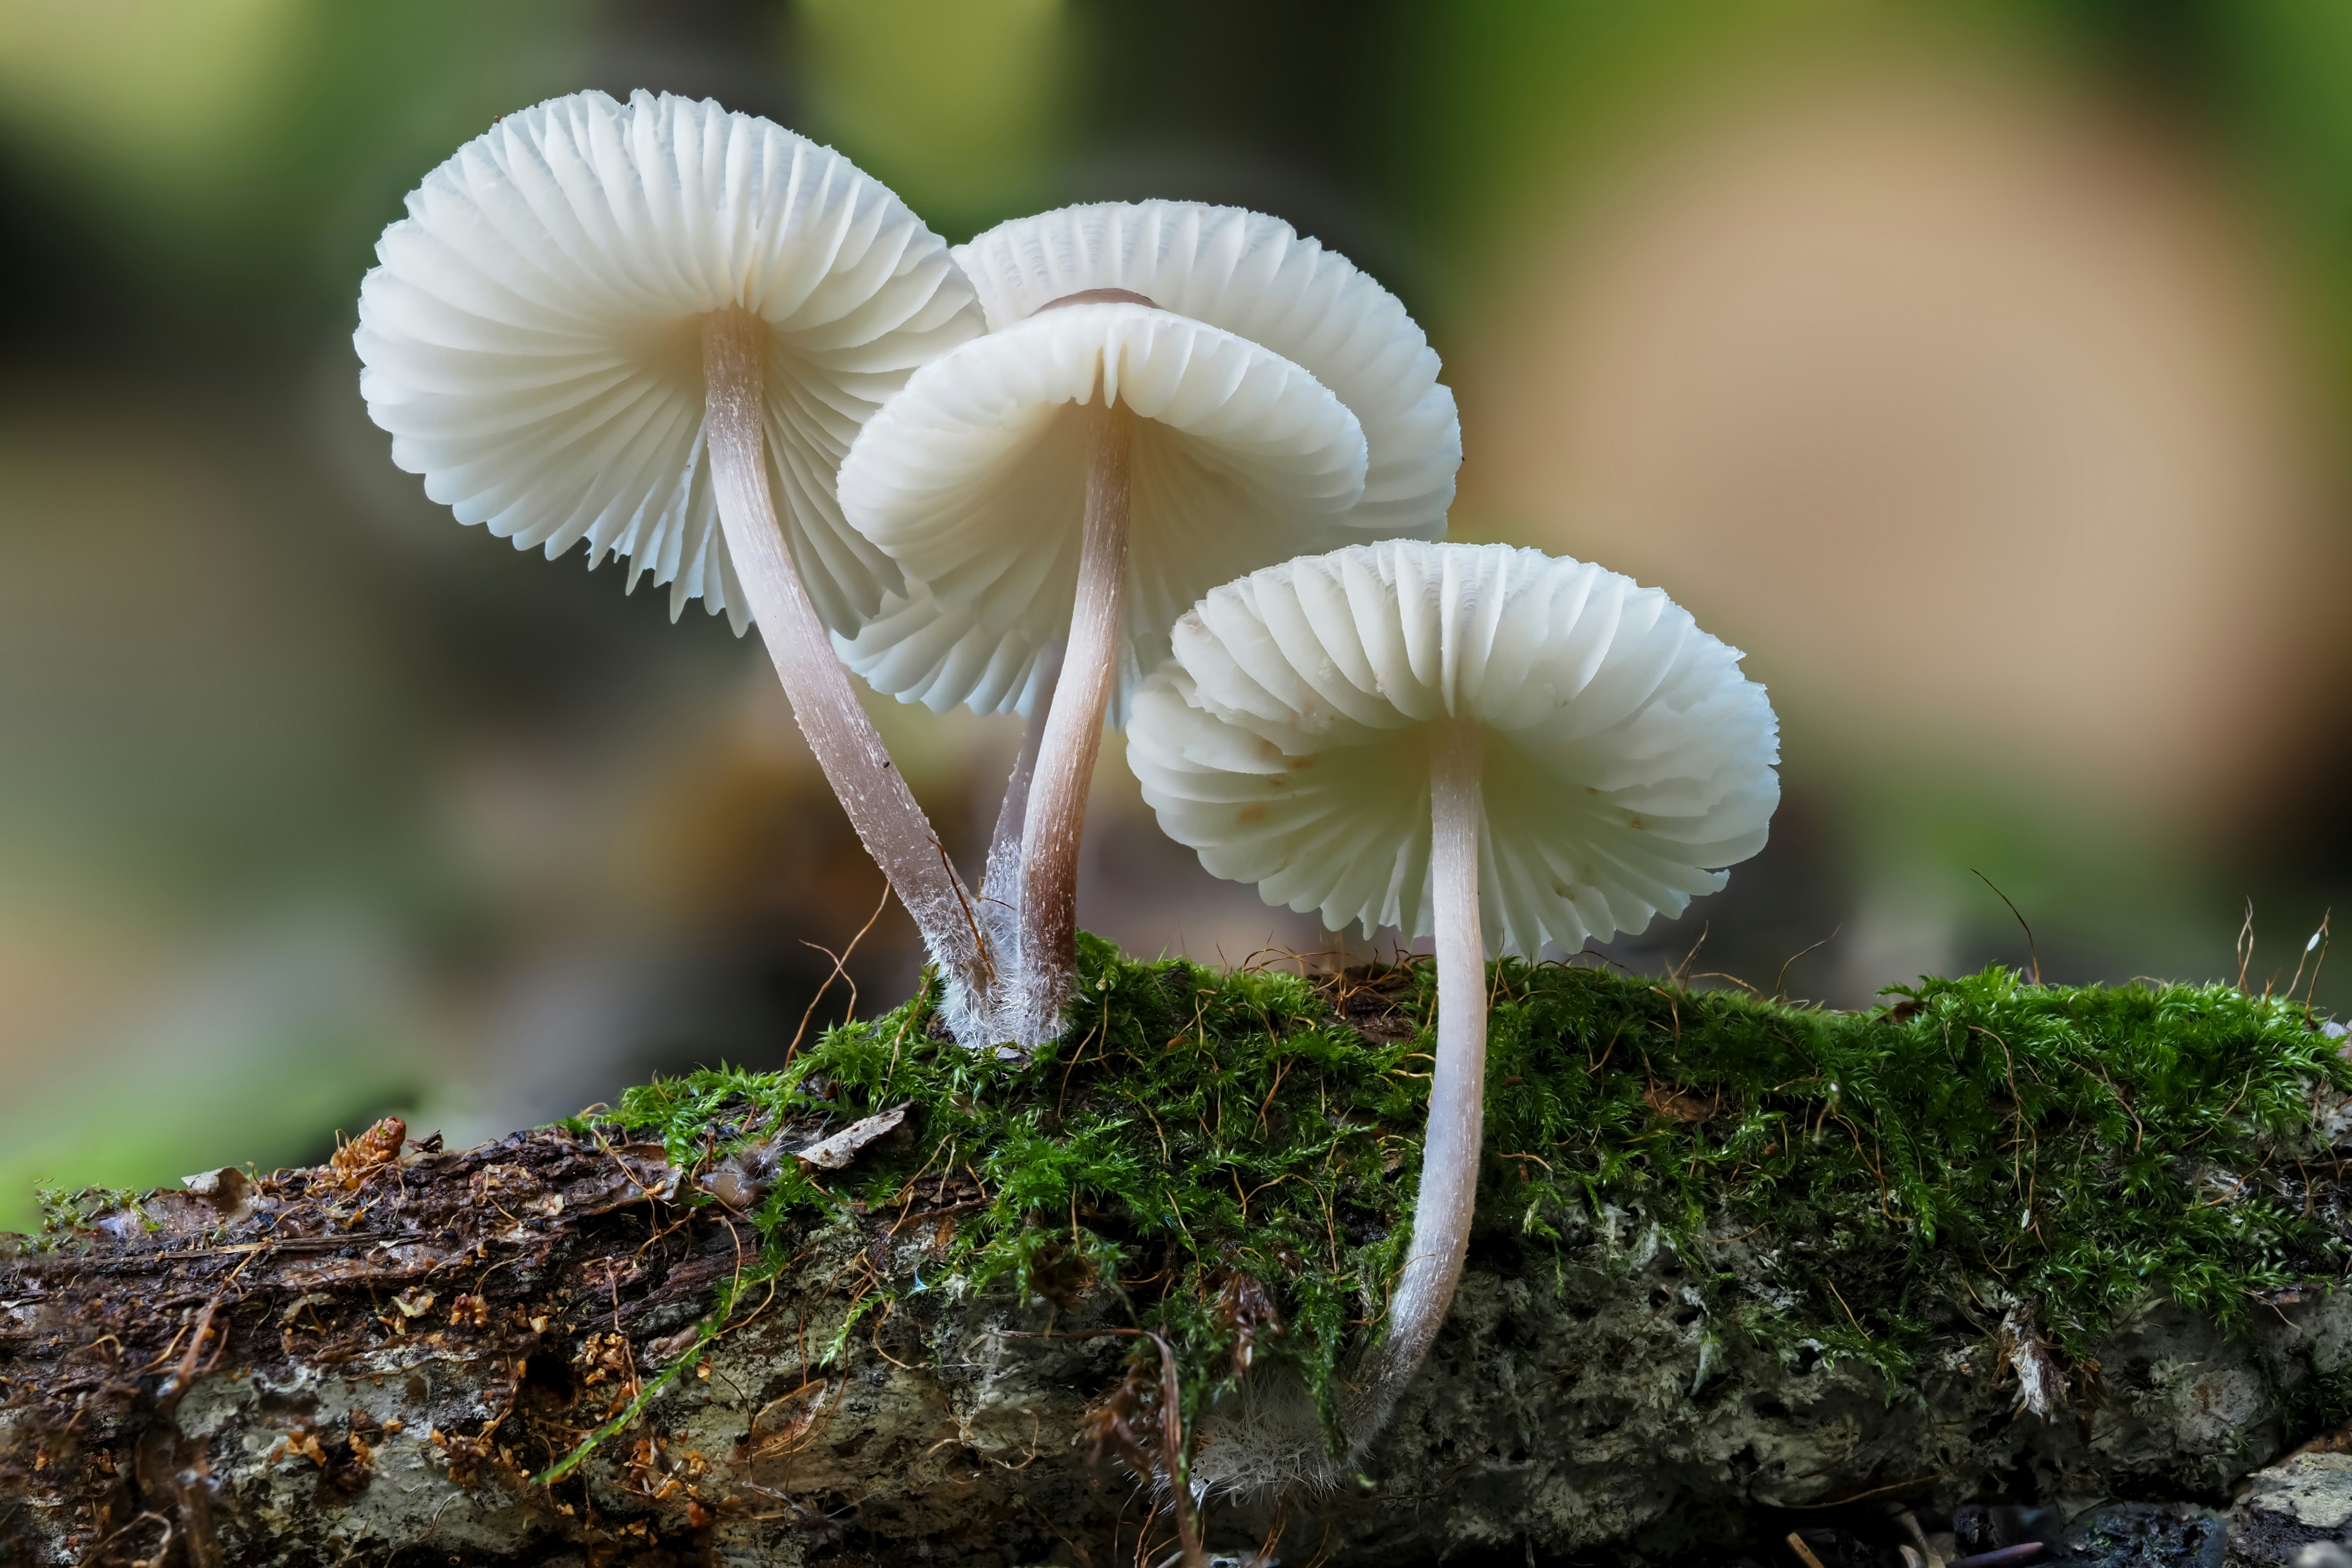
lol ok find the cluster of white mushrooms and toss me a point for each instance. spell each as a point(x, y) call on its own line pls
point(1161, 464)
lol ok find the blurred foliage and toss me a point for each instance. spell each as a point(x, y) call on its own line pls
point(1519, 96)
point(221, 1080)
point(958, 105)
point(257, 147)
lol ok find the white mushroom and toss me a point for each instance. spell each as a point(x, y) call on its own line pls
point(1025, 513)
point(1100, 456)
point(1476, 742)
point(644, 325)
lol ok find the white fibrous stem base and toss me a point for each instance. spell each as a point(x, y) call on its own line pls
point(1000, 881)
point(1073, 736)
point(891, 825)
point(1457, 1090)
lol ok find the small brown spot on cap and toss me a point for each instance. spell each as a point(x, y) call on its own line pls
point(1251, 814)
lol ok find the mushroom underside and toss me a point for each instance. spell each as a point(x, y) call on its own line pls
point(973, 481)
point(994, 579)
point(1345, 831)
point(531, 336)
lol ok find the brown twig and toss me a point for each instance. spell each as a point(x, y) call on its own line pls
point(1781, 979)
point(2030, 946)
point(185, 1373)
point(1804, 1552)
point(839, 972)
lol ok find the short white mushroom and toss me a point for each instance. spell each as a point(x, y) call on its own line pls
point(1149, 416)
point(1476, 742)
point(644, 325)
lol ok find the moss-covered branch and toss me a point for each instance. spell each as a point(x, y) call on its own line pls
point(1977, 1138)
point(1734, 1225)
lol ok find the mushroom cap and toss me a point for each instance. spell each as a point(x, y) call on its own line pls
point(1627, 760)
point(531, 336)
point(974, 479)
point(1252, 276)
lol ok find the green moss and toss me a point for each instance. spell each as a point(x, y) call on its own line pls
point(67, 1212)
point(1983, 1140)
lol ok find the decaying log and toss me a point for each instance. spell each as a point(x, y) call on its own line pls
point(373, 1360)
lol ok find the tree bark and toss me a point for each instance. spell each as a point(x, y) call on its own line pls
point(371, 1361)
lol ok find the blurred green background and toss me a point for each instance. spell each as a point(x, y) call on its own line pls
point(1980, 368)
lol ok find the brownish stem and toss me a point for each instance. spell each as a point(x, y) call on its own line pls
point(880, 807)
point(1066, 763)
point(1180, 1474)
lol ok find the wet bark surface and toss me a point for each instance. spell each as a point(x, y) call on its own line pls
point(373, 1360)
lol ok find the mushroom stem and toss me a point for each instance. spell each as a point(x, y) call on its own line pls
point(879, 804)
point(1073, 737)
point(1457, 1090)
point(999, 879)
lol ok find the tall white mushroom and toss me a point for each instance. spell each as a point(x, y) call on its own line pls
point(1476, 742)
point(643, 326)
point(1149, 416)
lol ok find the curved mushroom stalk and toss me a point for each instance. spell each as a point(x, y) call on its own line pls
point(1457, 1088)
point(872, 792)
point(1055, 823)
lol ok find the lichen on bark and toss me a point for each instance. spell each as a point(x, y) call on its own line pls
point(1733, 1255)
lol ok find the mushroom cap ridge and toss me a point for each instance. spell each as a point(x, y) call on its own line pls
point(973, 478)
point(531, 336)
point(1253, 276)
point(1627, 760)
